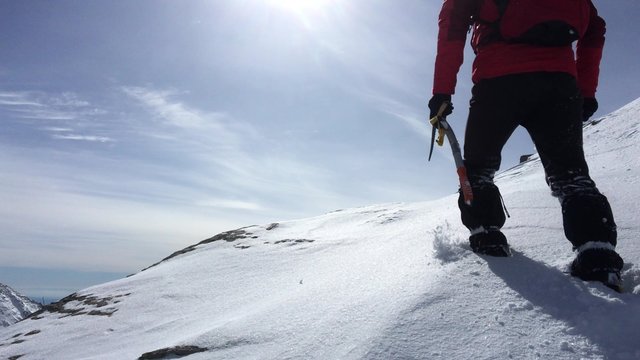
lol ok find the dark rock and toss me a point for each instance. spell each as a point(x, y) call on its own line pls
point(85, 301)
point(293, 241)
point(272, 226)
point(228, 236)
point(177, 351)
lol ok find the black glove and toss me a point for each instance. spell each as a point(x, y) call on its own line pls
point(589, 107)
point(436, 102)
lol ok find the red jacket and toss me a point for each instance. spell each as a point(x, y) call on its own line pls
point(500, 58)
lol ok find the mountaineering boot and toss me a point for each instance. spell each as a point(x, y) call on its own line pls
point(484, 218)
point(598, 261)
point(490, 242)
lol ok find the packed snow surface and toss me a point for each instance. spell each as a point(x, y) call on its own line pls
point(392, 281)
point(14, 306)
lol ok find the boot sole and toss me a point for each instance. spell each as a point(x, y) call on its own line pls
point(494, 250)
point(610, 279)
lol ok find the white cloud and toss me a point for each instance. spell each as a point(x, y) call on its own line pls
point(416, 123)
point(17, 101)
point(235, 160)
point(44, 114)
point(175, 113)
point(230, 204)
point(56, 129)
point(47, 107)
point(102, 139)
point(215, 138)
point(68, 99)
point(66, 114)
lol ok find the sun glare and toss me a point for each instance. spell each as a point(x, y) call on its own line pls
point(301, 6)
point(304, 10)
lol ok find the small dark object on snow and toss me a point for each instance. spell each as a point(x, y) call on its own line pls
point(178, 351)
point(524, 158)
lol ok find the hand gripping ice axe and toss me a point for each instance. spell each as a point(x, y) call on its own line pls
point(439, 121)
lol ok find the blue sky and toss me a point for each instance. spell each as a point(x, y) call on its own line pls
point(131, 129)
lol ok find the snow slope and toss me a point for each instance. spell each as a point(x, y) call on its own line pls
point(393, 281)
point(14, 306)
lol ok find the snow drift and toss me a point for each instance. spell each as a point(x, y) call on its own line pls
point(393, 281)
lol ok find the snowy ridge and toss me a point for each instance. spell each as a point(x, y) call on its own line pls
point(391, 281)
point(14, 306)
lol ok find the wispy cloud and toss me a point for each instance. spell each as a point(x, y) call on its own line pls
point(234, 156)
point(416, 121)
point(17, 99)
point(102, 139)
point(230, 204)
point(56, 129)
point(215, 133)
point(38, 105)
point(68, 99)
point(59, 112)
point(162, 103)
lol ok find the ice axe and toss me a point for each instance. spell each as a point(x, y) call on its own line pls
point(439, 121)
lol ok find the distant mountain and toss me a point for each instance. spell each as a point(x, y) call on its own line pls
point(389, 281)
point(14, 306)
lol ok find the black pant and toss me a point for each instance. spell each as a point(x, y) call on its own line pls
point(549, 107)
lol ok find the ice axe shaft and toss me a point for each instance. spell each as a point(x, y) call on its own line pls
point(444, 129)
